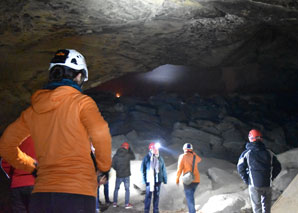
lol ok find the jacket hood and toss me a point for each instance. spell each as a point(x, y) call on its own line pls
point(47, 100)
point(121, 151)
point(258, 145)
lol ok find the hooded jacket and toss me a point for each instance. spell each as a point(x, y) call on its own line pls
point(185, 165)
point(121, 162)
point(61, 122)
point(257, 166)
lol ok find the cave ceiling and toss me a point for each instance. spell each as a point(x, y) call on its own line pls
point(242, 45)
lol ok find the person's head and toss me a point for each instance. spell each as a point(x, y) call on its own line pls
point(187, 147)
point(254, 135)
point(68, 64)
point(125, 145)
point(154, 148)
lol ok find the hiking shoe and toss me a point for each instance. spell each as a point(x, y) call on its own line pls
point(128, 206)
point(115, 205)
point(109, 203)
point(103, 208)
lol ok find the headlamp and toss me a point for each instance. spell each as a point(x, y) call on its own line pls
point(157, 145)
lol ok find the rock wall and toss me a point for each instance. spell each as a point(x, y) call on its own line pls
point(214, 125)
point(239, 46)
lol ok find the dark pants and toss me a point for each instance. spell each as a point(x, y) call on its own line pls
point(52, 202)
point(189, 191)
point(20, 198)
point(148, 197)
point(106, 194)
point(260, 199)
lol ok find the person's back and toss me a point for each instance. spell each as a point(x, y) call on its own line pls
point(258, 167)
point(121, 161)
point(121, 164)
point(61, 121)
point(56, 116)
point(188, 162)
point(259, 161)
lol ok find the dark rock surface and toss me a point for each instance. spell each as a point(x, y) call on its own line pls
point(214, 125)
point(234, 46)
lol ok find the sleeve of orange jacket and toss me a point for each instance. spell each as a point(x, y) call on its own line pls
point(99, 132)
point(10, 141)
point(179, 169)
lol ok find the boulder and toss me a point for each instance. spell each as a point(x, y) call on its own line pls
point(226, 203)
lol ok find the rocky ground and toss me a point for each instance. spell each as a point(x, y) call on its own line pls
point(221, 190)
point(217, 127)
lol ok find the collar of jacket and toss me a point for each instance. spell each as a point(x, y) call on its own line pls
point(63, 82)
point(255, 145)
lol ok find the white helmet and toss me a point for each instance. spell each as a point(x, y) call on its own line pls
point(72, 59)
point(187, 146)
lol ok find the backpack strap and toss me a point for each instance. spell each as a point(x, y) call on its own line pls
point(193, 162)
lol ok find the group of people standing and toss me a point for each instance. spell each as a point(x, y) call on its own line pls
point(154, 173)
point(63, 123)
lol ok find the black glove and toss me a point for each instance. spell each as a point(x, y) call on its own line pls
point(34, 173)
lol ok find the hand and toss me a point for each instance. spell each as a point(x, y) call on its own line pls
point(102, 180)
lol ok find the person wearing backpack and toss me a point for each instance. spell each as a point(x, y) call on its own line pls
point(188, 162)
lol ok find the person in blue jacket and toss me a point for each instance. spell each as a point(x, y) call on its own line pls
point(154, 173)
point(258, 167)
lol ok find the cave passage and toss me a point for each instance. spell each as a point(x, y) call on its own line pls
point(180, 80)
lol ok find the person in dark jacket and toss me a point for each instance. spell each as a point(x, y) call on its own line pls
point(154, 173)
point(21, 182)
point(121, 164)
point(258, 167)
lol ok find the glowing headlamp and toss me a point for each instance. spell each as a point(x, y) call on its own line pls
point(157, 145)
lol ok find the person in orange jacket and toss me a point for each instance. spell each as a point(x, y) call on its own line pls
point(61, 120)
point(185, 164)
point(21, 182)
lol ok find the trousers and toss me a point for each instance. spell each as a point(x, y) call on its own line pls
point(260, 199)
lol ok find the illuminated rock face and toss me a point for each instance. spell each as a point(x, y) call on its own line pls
point(215, 126)
point(235, 46)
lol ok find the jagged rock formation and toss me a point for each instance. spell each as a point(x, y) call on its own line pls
point(214, 125)
point(246, 46)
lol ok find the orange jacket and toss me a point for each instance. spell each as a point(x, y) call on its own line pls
point(185, 165)
point(61, 123)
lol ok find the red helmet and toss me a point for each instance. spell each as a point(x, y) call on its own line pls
point(125, 145)
point(151, 145)
point(254, 135)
